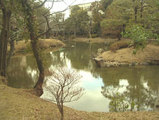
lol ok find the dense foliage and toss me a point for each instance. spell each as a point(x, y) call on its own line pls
point(78, 22)
point(110, 18)
point(138, 34)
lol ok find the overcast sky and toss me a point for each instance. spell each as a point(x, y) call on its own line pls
point(60, 6)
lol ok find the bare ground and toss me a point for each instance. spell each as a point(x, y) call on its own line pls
point(20, 104)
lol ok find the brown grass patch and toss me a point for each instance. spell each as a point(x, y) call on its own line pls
point(49, 43)
point(20, 104)
point(148, 54)
point(23, 46)
point(119, 44)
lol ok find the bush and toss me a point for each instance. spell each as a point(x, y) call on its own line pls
point(94, 35)
point(25, 47)
point(138, 34)
point(111, 27)
point(49, 43)
point(118, 45)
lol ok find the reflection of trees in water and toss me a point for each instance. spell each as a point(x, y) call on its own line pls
point(22, 73)
point(141, 92)
point(137, 96)
point(81, 56)
point(118, 101)
point(54, 58)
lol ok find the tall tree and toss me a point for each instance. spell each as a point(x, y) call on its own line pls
point(117, 15)
point(4, 36)
point(78, 21)
point(31, 26)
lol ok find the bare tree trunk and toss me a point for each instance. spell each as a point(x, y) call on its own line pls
point(60, 107)
point(62, 114)
point(11, 51)
point(33, 37)
point(48, 27)
point(142, 8)
point(75, 31)
point(90, 28)
point(4, 38)
point(135, 9)
point(135, 12)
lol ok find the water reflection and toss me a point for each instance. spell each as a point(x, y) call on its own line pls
point(107, 89)
point(140, 90)
point(22, 73)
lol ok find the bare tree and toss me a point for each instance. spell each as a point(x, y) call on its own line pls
point(64, 87)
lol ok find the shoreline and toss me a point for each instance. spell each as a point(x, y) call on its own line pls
point(125, 57)
point(94, 40)
point(23, 47)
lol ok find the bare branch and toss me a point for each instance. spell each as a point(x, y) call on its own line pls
point(64, 87)
point(48, 11)
point(43, 33)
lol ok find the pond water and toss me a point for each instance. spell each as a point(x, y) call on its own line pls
point(106, 89)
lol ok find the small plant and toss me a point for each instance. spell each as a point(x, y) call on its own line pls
point(64, 87)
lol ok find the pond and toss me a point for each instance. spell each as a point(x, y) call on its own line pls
point(106, 89)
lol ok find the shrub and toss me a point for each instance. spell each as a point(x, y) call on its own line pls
point(111, 27)
point(94, 35)
point(138, 34)
point(119, 44)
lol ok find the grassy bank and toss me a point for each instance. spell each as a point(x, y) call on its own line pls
point(21, 104)
point(25, 47)
point(125, 56)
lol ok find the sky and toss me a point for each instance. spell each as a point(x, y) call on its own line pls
point(60, 6)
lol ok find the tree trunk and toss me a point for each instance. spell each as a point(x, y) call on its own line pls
point(75, 30)
point(4, 38)
point(142, 8)
point(33, 37)
point(62, 116)
point(135, 12)
point(48, 27)
point(11, 51)
point(12, 38)
point(61, 111)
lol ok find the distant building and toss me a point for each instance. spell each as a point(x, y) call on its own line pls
point(85, 6)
